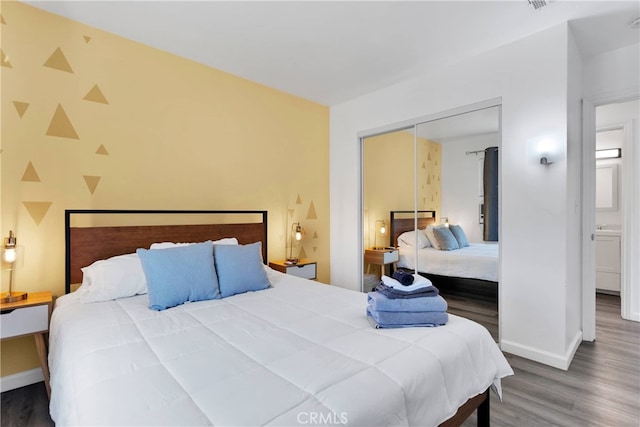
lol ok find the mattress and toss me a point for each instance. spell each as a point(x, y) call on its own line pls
point(476, 261)
point(294, 353)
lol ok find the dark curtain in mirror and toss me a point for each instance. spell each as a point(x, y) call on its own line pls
point(491, 194)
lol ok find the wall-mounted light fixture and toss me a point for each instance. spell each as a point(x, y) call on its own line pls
point(544, 150)
point(444, 221)
point(381, 228)
point(609, 153)
point(9, 256)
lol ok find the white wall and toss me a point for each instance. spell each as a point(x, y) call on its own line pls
point(531, 77)
point(462, 181)
point(573, 221)
point(612, 75)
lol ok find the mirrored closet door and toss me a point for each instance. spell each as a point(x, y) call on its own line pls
point(430, 172)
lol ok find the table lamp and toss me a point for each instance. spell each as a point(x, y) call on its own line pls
point(10, 255)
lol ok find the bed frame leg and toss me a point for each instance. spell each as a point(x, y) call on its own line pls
point(484, 412)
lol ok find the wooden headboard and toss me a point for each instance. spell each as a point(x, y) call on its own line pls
point(402, 221)
point(87, 244)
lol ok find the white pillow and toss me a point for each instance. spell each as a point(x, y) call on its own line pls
point(164, 245)
point(118, 277)
point(429, 233)
point(408, 238)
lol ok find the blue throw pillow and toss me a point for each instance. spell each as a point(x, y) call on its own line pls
point(458, 233)
point(179, 274)
point(445, 239)
point(240, 268)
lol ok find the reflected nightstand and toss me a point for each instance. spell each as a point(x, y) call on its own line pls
point(305, 268)
point(381, 257)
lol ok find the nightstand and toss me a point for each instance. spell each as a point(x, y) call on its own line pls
point(380, 257)
point(29, 317)
point(305, 268)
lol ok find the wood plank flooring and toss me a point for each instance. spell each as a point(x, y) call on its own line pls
point(25, 407)
point(483, 312)
point(601, 388)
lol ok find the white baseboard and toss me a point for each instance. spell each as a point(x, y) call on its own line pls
point(551, 359)
point(635, 316)
point(21, 379)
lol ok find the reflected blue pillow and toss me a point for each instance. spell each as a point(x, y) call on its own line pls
point(240, 268)
point(444, 237)
point(458, 233)
point(179, 274)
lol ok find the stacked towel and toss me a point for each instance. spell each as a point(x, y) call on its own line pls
point(421, 287)
point(380, 302)
point(394, 305)
point(398, 319)
point(403, 277)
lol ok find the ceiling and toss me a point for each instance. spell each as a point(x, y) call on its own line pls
point(333, 51)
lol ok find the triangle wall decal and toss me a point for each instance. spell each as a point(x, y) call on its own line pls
point(37, 210)
point(102, 150)
point(311, 214)
point(92, 182)
point(21, 107)
point(30, 174)
point(4, 60)
point(61, 125)
point(95, 95)
point(58, 61)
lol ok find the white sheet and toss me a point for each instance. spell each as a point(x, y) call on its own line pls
point(281, 356)
point(476, 261)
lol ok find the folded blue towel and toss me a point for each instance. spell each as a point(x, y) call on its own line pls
point(380, 302)
point(388, 319)
point(403, 277)
point(392, 293)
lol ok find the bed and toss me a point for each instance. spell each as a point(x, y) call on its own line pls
point(470, 271)
point(297, 353)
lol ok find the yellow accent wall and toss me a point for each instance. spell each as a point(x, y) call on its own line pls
point(90, 120)
point(389, 176)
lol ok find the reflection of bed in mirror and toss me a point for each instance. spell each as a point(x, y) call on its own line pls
point(470, 271)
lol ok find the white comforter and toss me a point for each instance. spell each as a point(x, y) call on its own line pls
point(476, 261)
point(297, 352)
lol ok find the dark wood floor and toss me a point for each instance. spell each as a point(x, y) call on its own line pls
point(601, 388)
point(25, 406)
point(483, 312)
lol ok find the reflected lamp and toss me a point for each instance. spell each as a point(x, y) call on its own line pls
point(296, 238)
point(381, 228)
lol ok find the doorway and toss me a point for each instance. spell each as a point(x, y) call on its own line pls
point(611, 213)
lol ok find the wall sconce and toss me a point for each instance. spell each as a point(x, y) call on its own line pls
point(609, 153)
point(296, 238)
point(9, 256)
point(445, 221)
point(381, 228)
point(544, 150)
